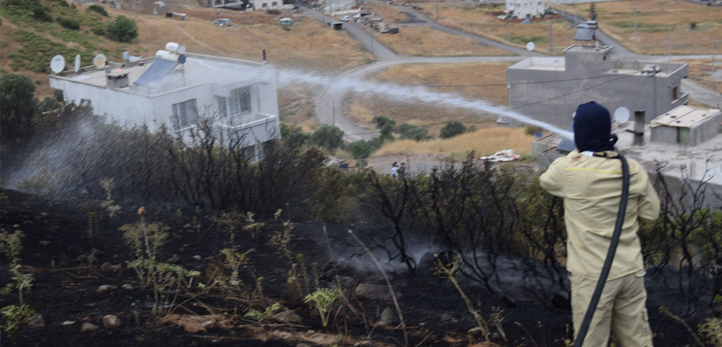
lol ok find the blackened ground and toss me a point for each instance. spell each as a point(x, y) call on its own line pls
point(65, 288)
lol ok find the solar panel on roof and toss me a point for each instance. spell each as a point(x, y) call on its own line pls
point(584, 34)
point(155, 73)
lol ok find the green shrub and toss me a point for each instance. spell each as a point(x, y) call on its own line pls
point(361, 149)
point(327, 136)
point(380, 121)
point(452, 129)
point(17, 107)
point(410, 131)
point(69, 23)
point(293, 136)
point(692, 25)
point(123, 29)
point(48, 104)
point(98, 31)
point(97, 9)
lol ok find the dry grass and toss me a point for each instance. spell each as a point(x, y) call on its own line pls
point(700, 71)
point(654, 17)
point(361, 108)
point(482, 142)
point(307, 45)
point(478, 20)
point(424, 41)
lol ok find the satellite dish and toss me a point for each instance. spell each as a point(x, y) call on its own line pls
point(574, 114)
point(621, 115)
point(530, 46)
point(57, 64)
point(99, 61)
point(77, 63)
point(556, 62)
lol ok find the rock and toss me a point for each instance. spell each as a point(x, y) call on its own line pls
point(496, 336)
point(87, 326)
point(363, 343)
point(477, 331)
point(197, 257)
point(561, 301)
point(187, 226)
point(106, 287)
point(35, 321)
point(374, 292)
point(16, 225)
point(127, 286)
point(45, 243)
point(288, 316)
point(182, 249)
point(68, 322)
point(446, 317)
point(111, 321)
point(303, 345)
point(172, 260)
point(387, 318)
point(108, 267)
point(310, 332)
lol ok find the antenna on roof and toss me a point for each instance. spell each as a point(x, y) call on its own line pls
point(77, 63)
point(99, 61)
point(57, 64)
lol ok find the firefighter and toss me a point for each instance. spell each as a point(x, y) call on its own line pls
point(589, 180)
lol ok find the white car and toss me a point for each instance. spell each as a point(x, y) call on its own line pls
point(501, 156)
point(345, 19)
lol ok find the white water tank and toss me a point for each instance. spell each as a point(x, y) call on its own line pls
point(175, 47)
point(170, 56)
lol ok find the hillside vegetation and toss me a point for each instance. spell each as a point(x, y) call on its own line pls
point(34, 31)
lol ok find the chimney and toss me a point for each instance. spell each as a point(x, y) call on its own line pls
point(117, 78)
point(638, 128)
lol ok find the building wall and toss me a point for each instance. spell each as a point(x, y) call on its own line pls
point(552, 96)
point(526, 8)
point(267, 4)
point(129, 108)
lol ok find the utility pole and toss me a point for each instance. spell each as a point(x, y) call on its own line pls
point(654, 91)
point(551, 45)
point(472, 46)
point(507, 28)
point(437, 11)
point(634, 6)
point(670, 43)
point(575, 13)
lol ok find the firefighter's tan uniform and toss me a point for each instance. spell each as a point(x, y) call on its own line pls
point(591, 187)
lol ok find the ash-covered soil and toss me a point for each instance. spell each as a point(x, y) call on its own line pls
point(66, 287)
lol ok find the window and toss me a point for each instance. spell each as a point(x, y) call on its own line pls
point(674, 94)
point(264, 5)
point(274, 4)
point(185, 114)
point(222, 112)
point(240, 100)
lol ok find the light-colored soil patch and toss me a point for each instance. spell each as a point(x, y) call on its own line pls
point(485, 81)
point(424, 41)
point(481, 142)
point(476, 19)
point(653, 21)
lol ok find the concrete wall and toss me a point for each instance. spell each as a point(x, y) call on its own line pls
point(129, 108)
point(523, 8)
point(581, 78)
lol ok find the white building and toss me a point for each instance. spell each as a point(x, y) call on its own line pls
point(240, 95)
point(520, 9)
point(267, 4)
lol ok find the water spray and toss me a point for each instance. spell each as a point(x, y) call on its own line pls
point(421, 94)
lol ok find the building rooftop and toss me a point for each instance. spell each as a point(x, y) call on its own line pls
point(197, 70)
point(683, 116)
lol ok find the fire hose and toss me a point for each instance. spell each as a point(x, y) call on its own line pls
point(582, 333)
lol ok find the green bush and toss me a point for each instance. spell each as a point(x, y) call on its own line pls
point(452, 129)
point(58, 95)
point(17, 107)
point(327, 136)
point(361, 149)
point(410, 131)
point(98, 9)
point(293, 136)
point(123, 29)
point(98, 31)
point(380, 121)
point(48, 104)
point(69, 23)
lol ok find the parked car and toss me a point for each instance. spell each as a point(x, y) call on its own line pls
point(345, 19)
